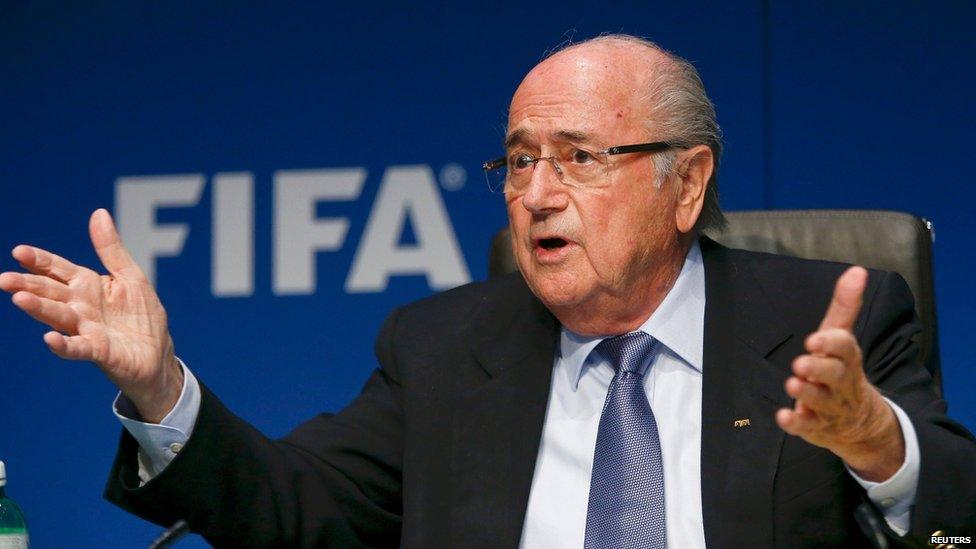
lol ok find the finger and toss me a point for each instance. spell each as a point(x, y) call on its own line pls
point(813, 396)
point(796, 422)
point(43, 262)
point(71, 348)
point(836, 343)
point(108, 245)
point(846, 303)
point(35, 284)
point(787, 420)
point(57, 315)
point(819, 369)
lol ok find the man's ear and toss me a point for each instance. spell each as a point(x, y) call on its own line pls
point(694, 169)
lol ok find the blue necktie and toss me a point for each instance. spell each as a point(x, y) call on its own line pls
point(626, 505)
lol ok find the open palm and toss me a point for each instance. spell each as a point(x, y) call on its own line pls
point(114, 320)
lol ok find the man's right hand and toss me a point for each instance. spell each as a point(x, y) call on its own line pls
point(114, 320)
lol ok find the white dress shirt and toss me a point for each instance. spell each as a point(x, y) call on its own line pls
point(160, 443)
point(556, 515)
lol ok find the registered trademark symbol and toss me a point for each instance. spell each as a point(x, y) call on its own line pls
point(453, 176)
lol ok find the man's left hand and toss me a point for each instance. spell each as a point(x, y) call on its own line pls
point(837, 408)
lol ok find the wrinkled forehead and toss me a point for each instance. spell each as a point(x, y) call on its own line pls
point(584, 94)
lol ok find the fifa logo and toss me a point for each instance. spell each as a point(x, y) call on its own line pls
point(406, 194)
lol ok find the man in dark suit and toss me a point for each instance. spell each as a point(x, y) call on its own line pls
point(633, 385)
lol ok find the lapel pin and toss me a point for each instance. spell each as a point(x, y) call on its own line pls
point(742, 423)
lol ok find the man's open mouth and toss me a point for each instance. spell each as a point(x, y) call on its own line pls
point(552, 243)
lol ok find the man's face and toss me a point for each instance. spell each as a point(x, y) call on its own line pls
point(588, 247)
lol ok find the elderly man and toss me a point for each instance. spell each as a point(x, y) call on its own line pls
point(636, 385)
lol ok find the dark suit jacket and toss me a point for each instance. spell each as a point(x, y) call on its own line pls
point(440, 447)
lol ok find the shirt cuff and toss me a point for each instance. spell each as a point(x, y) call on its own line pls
point(160, 443)
point(896, 496)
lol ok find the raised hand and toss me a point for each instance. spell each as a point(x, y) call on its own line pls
point(837, 408)
point(114, 320)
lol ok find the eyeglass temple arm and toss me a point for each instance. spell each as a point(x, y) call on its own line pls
point(494, 164)
point(644, 147)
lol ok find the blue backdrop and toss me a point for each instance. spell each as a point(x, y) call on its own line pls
point(192, 122)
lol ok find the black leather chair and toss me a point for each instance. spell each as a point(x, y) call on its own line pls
point(893, 241)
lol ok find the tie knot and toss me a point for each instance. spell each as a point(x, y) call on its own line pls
point(627, 352)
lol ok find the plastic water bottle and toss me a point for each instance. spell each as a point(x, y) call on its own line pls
point(13, 527)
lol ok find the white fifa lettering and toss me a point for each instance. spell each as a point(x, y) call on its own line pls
point(408, 193)
point(232, 237)
point(298, 233)
point(136, 200)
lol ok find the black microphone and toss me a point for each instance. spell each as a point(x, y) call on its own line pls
point(173, 533)
point(871, 527)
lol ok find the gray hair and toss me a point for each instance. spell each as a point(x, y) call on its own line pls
point(681, 112)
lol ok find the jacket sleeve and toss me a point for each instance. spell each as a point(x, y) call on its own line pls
point(946, 495)
point(333, 481)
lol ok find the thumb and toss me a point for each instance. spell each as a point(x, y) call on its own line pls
point(108, 246)
point(846, 303)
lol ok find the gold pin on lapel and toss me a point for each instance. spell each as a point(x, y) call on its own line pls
point(742, 423)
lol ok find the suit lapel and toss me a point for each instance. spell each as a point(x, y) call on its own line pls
point(741, 391)
point(498, 426)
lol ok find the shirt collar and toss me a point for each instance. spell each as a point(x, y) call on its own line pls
point(678, 322)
